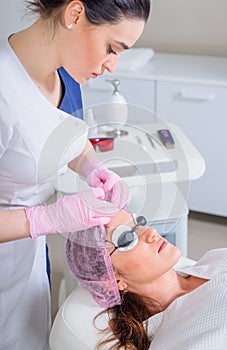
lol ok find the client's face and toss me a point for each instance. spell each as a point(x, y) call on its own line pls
point(149, 259)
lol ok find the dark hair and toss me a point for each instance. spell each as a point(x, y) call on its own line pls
point(128, 322)
point(98, 12)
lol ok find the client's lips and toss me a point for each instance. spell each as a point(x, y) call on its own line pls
point(94, 75)
point(162, 244)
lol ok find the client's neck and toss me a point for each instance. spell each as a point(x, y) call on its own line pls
point(164, 290)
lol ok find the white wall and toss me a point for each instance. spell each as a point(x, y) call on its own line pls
point(12, 17)
point(187, 26)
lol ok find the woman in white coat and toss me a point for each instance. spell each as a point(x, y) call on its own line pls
point(38, 138)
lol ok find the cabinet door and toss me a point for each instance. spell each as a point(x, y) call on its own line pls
point(201, 112)
point(138, 93)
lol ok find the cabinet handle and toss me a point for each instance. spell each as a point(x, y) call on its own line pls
point(187, 96)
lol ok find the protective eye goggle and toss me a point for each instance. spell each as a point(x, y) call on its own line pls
point(124, 237)
point(103, 143)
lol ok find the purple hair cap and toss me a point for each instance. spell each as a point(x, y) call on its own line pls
point(89, 262)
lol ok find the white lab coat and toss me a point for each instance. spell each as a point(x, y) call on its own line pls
point(37, 141)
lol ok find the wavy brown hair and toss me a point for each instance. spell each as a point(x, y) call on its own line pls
point(128, 323)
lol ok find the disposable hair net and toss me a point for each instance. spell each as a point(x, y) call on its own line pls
point(89, 262)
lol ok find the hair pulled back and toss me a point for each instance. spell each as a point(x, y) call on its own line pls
point(128, 323)
point(99, 11)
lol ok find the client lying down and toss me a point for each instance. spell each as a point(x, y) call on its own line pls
point(129, 269)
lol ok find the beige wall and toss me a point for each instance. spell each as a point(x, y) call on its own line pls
point(187, 26)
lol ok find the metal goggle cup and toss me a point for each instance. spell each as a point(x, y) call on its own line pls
point(124, 237)
point(103, 143)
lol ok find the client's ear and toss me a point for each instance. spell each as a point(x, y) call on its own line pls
point(122, 285)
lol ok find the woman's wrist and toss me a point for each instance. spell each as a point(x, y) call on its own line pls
point(13, 225)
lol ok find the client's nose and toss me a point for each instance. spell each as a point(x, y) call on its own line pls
point(151, 235)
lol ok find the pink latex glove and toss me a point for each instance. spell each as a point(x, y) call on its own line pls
point(98, 176)
point(72, 213)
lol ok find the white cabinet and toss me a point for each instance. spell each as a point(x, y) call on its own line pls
point(191, 92)
point(201, 112)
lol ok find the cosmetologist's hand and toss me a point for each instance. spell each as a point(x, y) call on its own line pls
point(98, 176)
point(72, 213)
